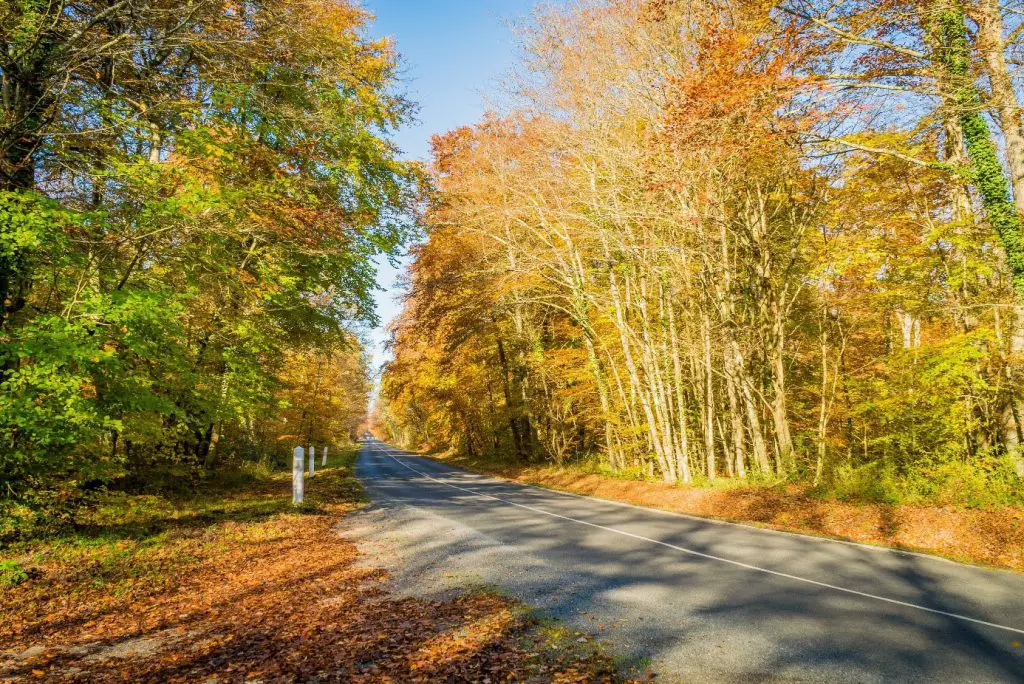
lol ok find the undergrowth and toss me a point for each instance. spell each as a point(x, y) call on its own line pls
point(990, 482)
point(117, 532)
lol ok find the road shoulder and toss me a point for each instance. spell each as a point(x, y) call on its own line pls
point(988, 538)
point(237, 584)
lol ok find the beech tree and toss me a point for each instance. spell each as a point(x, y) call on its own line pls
point(747, 240)
point(192, 197)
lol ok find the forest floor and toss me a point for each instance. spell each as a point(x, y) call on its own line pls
point(233, 584)
point(993, 537)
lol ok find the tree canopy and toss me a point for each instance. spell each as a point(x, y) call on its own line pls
point(749, 240)
point(191, 199)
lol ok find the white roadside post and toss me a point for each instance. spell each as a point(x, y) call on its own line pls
point(323, 459)
point(312, 461)
point(298, 474)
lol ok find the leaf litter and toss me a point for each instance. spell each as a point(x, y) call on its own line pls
point(279, 597)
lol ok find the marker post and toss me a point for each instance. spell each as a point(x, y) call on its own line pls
point(298, 475)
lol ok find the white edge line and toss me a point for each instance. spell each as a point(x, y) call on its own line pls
point(877, 548)
point(707, 556)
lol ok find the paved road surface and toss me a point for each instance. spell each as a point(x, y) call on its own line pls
point(699, 600)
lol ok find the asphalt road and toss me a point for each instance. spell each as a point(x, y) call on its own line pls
point(698, 600)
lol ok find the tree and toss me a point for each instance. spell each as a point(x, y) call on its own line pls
point(704, 243)
point(194, 198)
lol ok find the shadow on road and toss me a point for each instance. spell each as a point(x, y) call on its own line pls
point(696, 616)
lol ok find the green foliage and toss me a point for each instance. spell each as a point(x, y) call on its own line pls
point(920, 423)
point(187, 201)
point(27, 222)
point(11, 573)
point(980, 483)
point(45, 404)
point(42, 509)
point(925, 404)
point(72, 377)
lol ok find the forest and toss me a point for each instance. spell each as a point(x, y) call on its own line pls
point(192, 196)
point(733, 241)
point(710, 318)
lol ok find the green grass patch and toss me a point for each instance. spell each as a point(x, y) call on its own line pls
point(12, 573)
point(988, 482)
point(119, 540)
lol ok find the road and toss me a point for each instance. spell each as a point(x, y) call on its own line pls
point(694, 599)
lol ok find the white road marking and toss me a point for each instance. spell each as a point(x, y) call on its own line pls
point(707, 556)
point(876, 548)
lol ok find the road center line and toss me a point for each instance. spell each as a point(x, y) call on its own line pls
point(707, 556)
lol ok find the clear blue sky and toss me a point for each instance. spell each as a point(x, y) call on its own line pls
point(453, 52)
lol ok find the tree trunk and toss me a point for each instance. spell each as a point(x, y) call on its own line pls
point(1004, 98)
point(780, 417)
point(513, 424)
point(677, 371)
point(709, 399)
point(634, 378)
point(954, 55)
point(738, 441)
point(760, 449)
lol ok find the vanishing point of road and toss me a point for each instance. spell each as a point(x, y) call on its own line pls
point(698, 600)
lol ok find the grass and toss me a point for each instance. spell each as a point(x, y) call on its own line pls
point(124, 538)
point(12, 574)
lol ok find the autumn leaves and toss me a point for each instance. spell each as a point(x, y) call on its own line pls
point(689, 245)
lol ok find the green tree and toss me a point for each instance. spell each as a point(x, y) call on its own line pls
point(190, 193)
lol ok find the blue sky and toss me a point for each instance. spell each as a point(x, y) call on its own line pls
point(453, 52)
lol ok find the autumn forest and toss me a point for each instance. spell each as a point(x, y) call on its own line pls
point(708, 243)
point(728, 241)
point(708, 317)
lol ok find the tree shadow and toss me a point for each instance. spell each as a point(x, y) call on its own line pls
point(706, 600)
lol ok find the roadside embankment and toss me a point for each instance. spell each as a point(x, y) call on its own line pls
point(985, 536)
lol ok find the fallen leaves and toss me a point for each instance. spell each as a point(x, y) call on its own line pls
point(274, 599)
